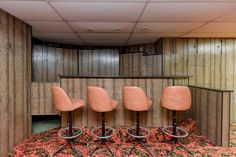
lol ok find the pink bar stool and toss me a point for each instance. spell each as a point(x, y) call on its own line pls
point(176, 98)
point(101, 102)
point(64, 104)
point(135, 99)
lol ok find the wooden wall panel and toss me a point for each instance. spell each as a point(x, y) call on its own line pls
point(210, 62)
point(41, 98)
point(48, 62)
point(135, 64)
point(15, 56)
point(211, 108)
point(99, 62)
point(119, 117)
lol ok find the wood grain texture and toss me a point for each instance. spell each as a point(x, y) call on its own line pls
point(48, 62)
point(120, 116)
point(41, 98)
point(135, 64)
point(210, 62)
point(211, 111)
point(15, 68)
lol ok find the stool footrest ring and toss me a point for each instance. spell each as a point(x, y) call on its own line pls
point(183, 132)
point(109, 132)
point(132, 132)
point(63, 133)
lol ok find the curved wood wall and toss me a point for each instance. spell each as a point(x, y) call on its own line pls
point(15, 70)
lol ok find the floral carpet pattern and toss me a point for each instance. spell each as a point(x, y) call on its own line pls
point(45, 144)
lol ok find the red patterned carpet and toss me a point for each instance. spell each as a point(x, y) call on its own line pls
point(44, 144)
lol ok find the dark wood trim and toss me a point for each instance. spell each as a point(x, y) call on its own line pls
point(126, 77)
point(212, 89)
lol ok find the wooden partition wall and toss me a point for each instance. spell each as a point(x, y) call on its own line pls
point(15, 77)
point(210, 62)
point(211, 110)
point(153, 86)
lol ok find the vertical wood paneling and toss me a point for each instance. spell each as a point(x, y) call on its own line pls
point(14, 81)
point(213, 107)
point(210, 62)
point(135, 64)
point(103, 62)
point(48, 62)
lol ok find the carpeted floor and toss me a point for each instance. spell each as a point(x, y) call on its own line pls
point(45, 143)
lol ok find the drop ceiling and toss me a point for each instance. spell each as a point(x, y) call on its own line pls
point(124, 22)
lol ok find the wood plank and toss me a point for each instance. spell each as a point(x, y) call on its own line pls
point(120, 114)
point(226, 120)
point(128, 114)
point(204, 111)
point(212, 109)
point(19, 95)
point(143, 115)
point(200, 64)
point(149, 92)
point(51, 62)
point(163, 110)
point(207, 52)
point(34, 98)
point(218, 72)
point(92, 115)
point(84, 97)
point(77, 95)
point(4, 83)
point(157, 109)
point(109, 87)
point(11, 85)
point(59, 63)
point(192, 50)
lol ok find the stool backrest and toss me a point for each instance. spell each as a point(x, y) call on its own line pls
point(98, 99)
point(60, 98)
point(135, 99)
point(176, 98)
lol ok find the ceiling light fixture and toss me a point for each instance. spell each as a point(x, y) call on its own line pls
point(117, 30)
point(145, 29)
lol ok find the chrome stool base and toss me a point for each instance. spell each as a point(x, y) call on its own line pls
point(174, 134)
point(69, 133)
point(106, 132)
point(139, 133)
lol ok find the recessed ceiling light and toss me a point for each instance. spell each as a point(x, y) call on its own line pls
point(90, 30)
point(117, 30)
point(145, 29)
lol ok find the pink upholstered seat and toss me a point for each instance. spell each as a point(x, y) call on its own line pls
point(135, 99)
point(99, 100)
point(62, 102)
point(176, 98)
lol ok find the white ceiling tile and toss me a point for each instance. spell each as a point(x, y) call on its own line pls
point(166, 28)
point(66, 38)
point(30, 10)
point(184, 12)
point(99, 11)
point(143, 38)
point(104, 38)
point(217, 27)
point(229, 17)
point(107, 27)
point(43, 26)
